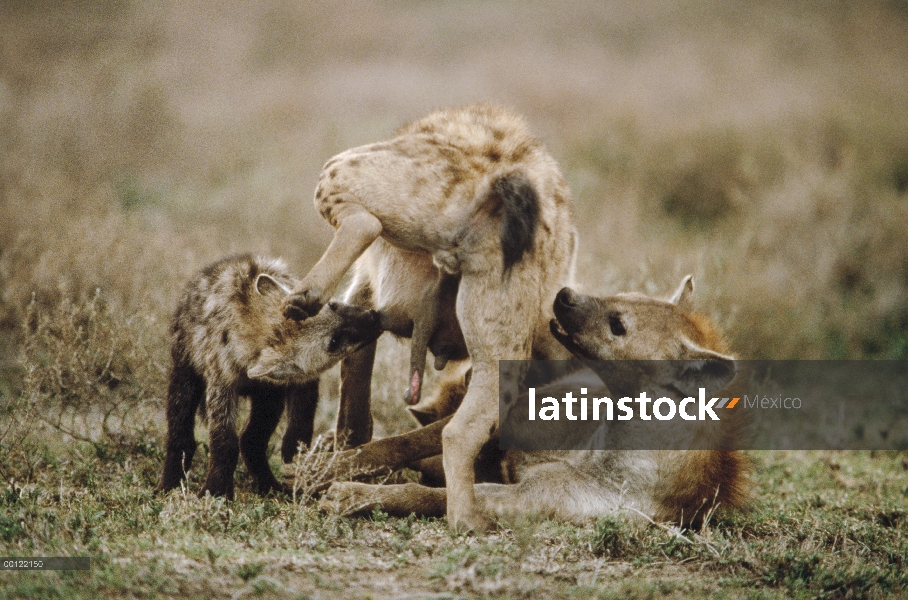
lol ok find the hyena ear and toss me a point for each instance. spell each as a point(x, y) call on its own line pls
point(266, 365)
point(704, 368)
point(683, 297)
point(265, 283)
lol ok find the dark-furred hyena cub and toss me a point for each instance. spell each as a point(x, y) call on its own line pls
point(229, 339)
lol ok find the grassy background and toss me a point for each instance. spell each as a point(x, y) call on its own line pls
point(762, 147)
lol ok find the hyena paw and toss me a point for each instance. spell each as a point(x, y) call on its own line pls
point(349, 498)
point(218, 482)
point(273, 487)
point(302, 305)
point(471, 522)
point(217, 490)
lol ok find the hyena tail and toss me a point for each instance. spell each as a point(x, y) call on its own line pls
point(520, 216)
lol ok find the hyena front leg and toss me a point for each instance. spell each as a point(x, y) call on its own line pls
point(384, 456)
point(354, 499)
point(266, 406)
point(301, 401)
point(221, 403)
point(184, 393)
point(354, 414)
point(355, 229)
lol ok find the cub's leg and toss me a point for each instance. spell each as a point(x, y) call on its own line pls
point(301, 401)
point(266, 406)
point(355, 229)
point(221, 403)
point(184, 393)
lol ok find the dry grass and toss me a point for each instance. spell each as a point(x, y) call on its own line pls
point(762, 147)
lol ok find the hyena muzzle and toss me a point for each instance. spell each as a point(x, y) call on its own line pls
point(229, 339)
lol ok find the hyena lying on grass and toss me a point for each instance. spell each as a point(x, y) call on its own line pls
point(229, 339)
point(476, 192)
point(679, 486)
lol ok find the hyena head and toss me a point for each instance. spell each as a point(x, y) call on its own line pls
point(299, 351)
point(634, 327)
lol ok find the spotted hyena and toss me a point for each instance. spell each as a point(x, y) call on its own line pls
point(665, 485)
point(229, 339)
point(468, 193)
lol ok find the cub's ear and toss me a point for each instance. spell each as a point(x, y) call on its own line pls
point(704, 368)
point(265, 284)
point(266, 365)
point(683, 297)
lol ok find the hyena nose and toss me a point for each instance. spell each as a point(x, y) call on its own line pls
point(567, 297)
point(333, 306)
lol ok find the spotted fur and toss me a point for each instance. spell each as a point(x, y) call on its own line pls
point(466, 192)
point(229, 339)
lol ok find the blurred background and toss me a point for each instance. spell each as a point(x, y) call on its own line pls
point(761, 146)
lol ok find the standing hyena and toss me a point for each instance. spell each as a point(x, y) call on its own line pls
point(665, 485)
point(229, 339)
point(475, 191)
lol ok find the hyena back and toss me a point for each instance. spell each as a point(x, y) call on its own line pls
point(229, 339)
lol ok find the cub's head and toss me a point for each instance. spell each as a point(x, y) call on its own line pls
point(298, 351)
point(634, 327)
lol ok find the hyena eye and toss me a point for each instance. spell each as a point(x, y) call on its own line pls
point(336, 342)
point(615, 324)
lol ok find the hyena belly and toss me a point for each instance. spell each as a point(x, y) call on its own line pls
point(415, 300)
point(218, 331)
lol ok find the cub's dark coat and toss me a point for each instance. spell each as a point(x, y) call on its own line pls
point(229, 339)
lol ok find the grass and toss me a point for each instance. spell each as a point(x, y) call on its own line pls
point(760, 146)
point(820, 525)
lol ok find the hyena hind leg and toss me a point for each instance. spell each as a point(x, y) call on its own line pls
point(184, 394)
point(266, 406)
point(301, 401)
point(547, 495)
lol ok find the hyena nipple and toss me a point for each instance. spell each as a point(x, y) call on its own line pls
point(411, 396)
